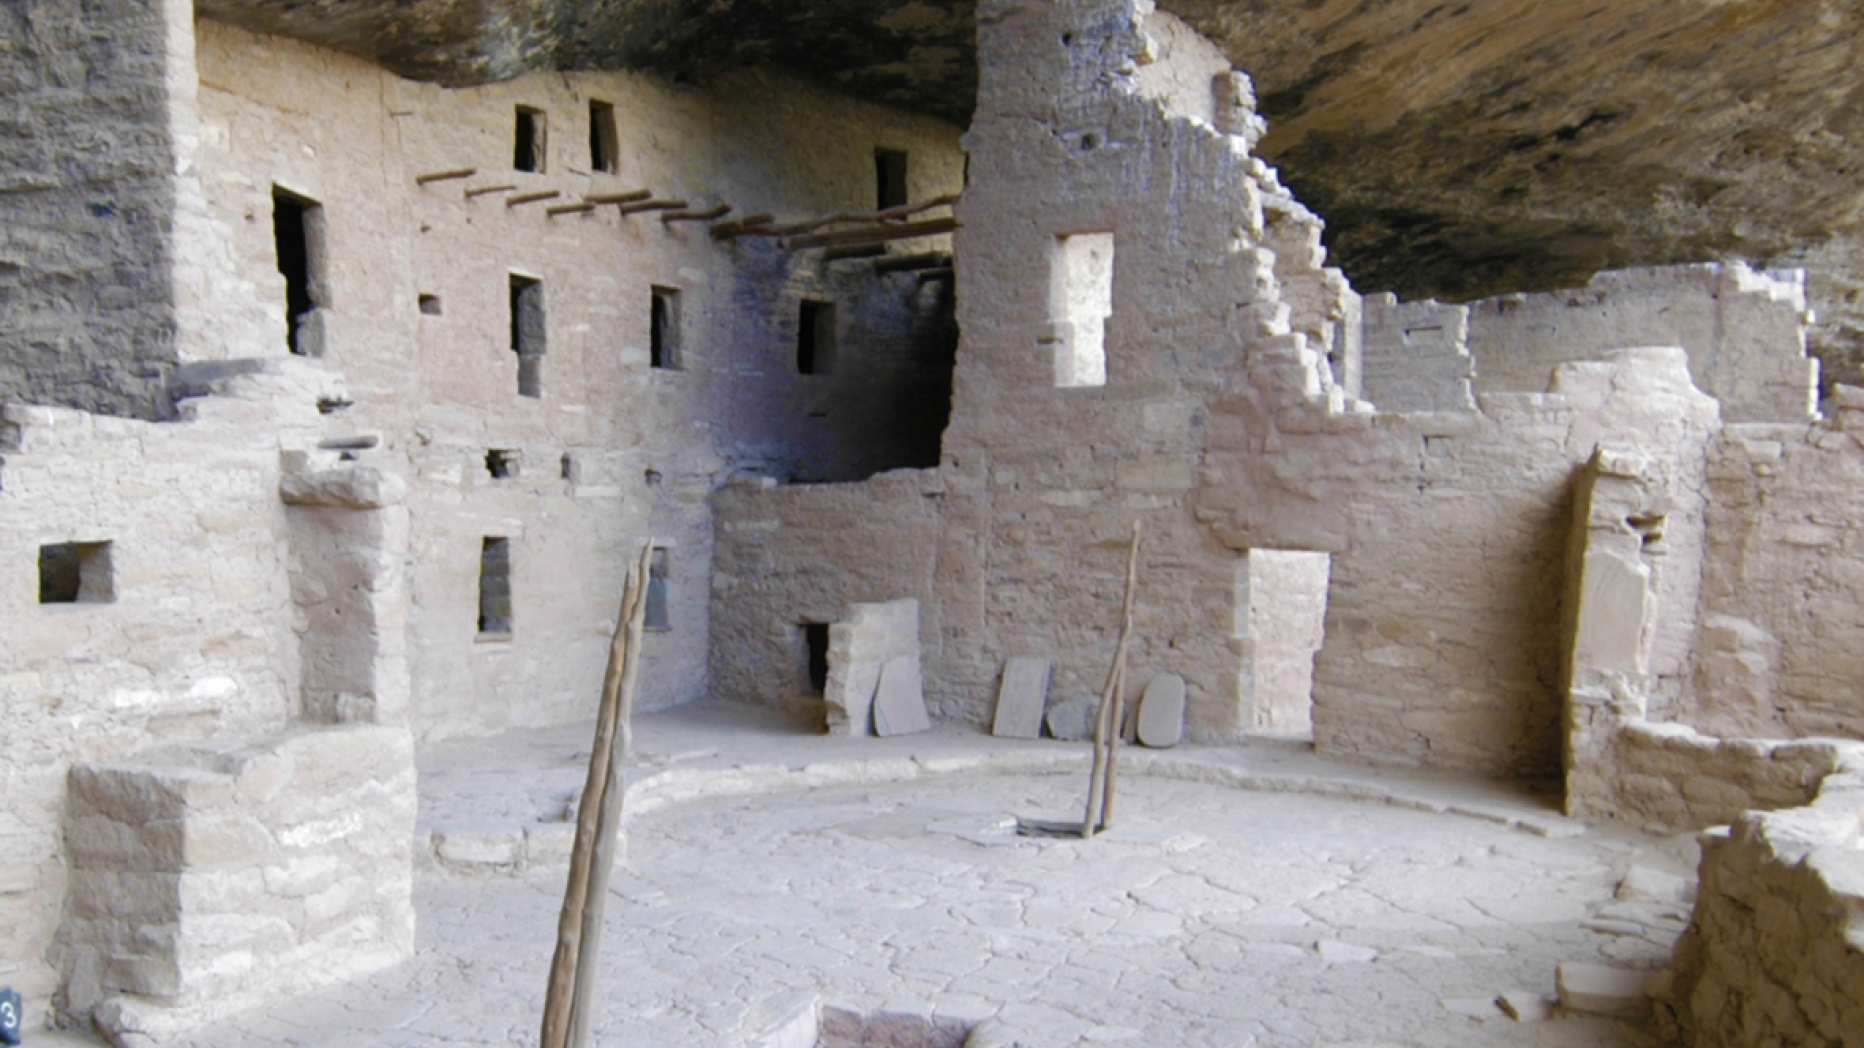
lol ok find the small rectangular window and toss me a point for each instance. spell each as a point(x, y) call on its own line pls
point(1080, 301)
point(297, 228)
point(529, 147)
point(495, 586)
point(570, 469)
point(501, 463)
point(76, 573)
point(890, 178)
point(430, 305)
point(603, 139)
point(663, 324)
point(815, 338)
point(656, 616)
point(527, 333)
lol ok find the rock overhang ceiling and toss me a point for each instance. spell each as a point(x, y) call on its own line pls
point(1456, 149)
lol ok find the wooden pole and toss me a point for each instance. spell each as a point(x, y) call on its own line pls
point(741, 226)
point(561, 987)
point(582, 1009)
point(653, 205)
point(483, 190)
point(619, 198)
point(443, 176)
point(910, 263)
point(569, 209)
point(892, 214)
point(1106, 723)
point(531, 198)
point(708, 215)
point(874, 235)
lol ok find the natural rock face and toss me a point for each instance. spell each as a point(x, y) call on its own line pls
point(1455, 151)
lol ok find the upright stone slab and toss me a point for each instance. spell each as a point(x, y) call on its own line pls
point(1020, 700)
point(1071, 720)
point(900, 702)
point(1161, 712)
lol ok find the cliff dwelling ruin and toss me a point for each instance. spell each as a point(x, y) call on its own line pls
point(1493, 639)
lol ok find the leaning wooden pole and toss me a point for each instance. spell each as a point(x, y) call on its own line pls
point(1107, 719)
point(582, 1010)
point(559, 995)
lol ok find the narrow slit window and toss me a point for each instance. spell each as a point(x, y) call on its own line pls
point(502, 463)
point(1080, 301)
point(815, 338)
point(495, 586)
point(663, 337)
point(815, 639)
point(656, 617)
point(603, 140)
point(296, 234)
point(571, 470)
point(527, 333)
point(889, 178)
point(529, 140)
point(76, 573)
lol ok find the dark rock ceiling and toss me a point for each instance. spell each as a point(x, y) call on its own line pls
point(1456, 149)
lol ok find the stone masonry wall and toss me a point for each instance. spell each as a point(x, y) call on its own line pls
point(88, 155)
point(1783, 582)
point(206, 880)
point(1744, 331)
point(195, 645)
point(613, 451)
point(1774, 953)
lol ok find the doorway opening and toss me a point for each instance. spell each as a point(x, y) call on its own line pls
point(815, 643)
point(1281, 618)
point(297, 226)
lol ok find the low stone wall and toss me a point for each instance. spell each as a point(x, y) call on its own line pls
point(858, 649)
point(204, 881)
point(1775, 952)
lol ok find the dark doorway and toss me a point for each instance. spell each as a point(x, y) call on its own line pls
point(527, 333)
point(890, 177)
point(815, 635)
point(293, 235)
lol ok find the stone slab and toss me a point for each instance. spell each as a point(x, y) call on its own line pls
point(900, 701)
point(1072, 720)
point(1526, 1006)
point(1161, 712)
point(1021, 698)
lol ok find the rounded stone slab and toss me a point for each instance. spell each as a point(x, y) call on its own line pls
point(1161, 712)
point(900, 701)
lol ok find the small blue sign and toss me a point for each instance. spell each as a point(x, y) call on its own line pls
point(9, 1016)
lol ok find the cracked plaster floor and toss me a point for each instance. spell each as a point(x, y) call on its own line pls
point(1231, 918)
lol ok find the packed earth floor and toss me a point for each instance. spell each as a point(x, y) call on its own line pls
point(1321, 904)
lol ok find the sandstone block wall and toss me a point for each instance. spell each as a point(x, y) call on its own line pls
point(1745, 332)
point(613, 451)
point(1416, 356)
point(204, 880)
point(195, 644)
point(1774, 953)
point(1783, 580)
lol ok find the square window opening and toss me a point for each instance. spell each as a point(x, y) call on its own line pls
point(889, 178)
point(1080, 302)
point(529, 146)
point(502, 463)
point(495, 586)
point(663, 336)
point(656, 616)
point(604, 142)
point(815, 338)
point(297, 237)
point(527, 333)
point(76, 573)
point(430, 305)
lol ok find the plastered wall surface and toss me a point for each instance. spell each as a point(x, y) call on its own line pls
point(645, 446)
point(1282, 626)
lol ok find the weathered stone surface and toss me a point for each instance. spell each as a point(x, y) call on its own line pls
point(1021, 698)
point(1161, 712)
point(1071, 720)
point(1594, 989)
point(900, 700)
